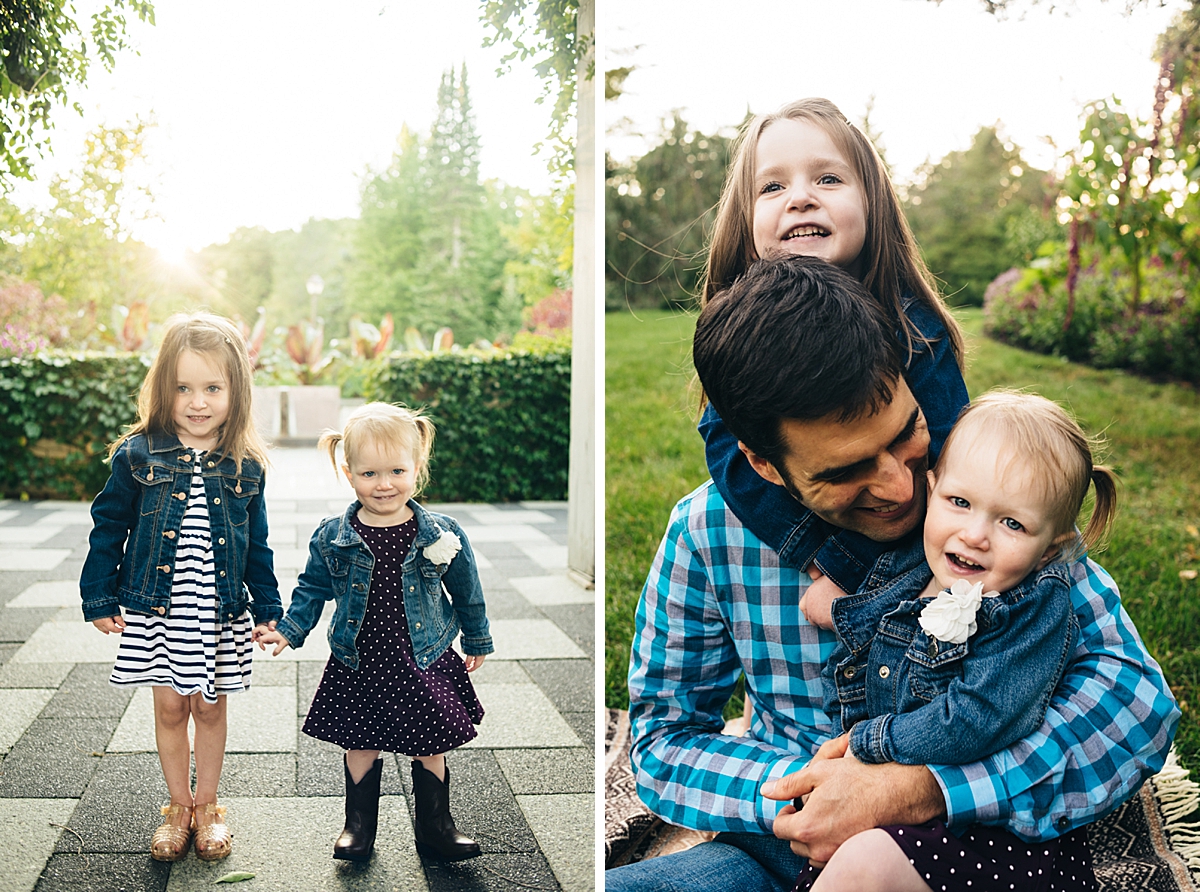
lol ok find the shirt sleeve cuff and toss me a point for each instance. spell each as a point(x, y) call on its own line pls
point(769, 808)
point(974, 793)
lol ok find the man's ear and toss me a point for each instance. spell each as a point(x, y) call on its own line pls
point(764, 468)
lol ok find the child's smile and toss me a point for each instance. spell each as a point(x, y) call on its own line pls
point(807, 198)
point(384, 478)
point(201, 400)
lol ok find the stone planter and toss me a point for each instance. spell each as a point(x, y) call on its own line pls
point(296, 415)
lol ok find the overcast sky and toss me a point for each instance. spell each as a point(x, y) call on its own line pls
point(269, 111)
point(937, 72)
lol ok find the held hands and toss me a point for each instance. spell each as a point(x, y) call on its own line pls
point(473, 661)
point(110, 624)
point(264, 634)
point(817, 601)
point(842, 797)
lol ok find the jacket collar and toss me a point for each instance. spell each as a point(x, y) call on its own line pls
point(161, 441)
point(428, 529)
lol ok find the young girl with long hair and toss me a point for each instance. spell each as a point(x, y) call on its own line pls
point(806, 181)
point(179, 540)
point(405, 584)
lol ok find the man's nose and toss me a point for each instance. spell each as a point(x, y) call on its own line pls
point(893, 479)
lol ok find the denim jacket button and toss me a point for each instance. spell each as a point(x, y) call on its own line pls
point(850, 672)
point(181, 496)
point(221, 541)
point(212, 464)
point(222, 574)
point(216, 501)
point(185, 457)
point(170, 534)
point(933, 648)
point(884, 671)
point(411, 587)
point(417, 626)
point(161, 611)
point(166, 568)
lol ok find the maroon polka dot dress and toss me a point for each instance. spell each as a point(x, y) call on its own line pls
point(989, 859)
point(388, 703)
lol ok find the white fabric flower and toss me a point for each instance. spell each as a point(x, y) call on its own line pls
point(444, 549)
point(950, 616)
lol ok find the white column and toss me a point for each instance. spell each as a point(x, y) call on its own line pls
point(581, 476)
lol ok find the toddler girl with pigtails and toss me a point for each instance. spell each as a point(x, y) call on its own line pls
point(405, 584)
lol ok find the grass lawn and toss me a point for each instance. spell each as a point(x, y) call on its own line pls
point(654, 456)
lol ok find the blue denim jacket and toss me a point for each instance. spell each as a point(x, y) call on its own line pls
point(439, 599)
point(796, 534)
point(135, 529)
point(908, 697)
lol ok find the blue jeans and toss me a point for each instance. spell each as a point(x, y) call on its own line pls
point(746, 862)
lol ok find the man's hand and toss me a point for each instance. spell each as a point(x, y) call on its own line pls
point(842, 797)
point(817, 601)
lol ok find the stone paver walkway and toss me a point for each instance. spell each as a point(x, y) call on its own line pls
point(80, 784)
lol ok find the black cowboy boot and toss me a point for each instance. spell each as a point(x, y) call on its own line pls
point(435, 831)
point(362, 815)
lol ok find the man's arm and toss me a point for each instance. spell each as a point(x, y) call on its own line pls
point(686, 663)
point(1108, 728)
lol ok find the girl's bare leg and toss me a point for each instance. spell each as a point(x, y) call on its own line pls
point(211, 727)
point(171, 713)
point(433, 764)
point(359, 762)
point(869, 862)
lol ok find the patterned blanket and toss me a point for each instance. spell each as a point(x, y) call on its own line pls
point(1152, 842)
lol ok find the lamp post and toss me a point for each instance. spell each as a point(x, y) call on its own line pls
point(315, 285)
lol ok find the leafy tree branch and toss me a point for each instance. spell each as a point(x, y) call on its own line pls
point(46, 56)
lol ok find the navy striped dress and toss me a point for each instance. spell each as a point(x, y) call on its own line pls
point(190, 649)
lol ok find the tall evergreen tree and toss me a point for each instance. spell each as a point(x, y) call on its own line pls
point(430, 248)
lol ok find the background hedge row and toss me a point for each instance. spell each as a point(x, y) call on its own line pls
point(58, 413)
point(503, 420)
point(503, 424)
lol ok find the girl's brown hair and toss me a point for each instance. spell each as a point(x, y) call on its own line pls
point(1043, 438)
point(385, 425)
point(217, 339)
point(894, 267)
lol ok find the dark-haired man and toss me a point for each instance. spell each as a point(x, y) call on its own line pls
point(803, 367)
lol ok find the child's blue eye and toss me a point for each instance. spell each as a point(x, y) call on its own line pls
point(1014, 525)
point(397, 471)
point(770, 187)
point(829, 179)
point(959, 502)
point(368, 473)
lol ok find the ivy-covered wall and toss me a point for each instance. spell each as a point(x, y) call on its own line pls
point(503, 421)
point(58, 413)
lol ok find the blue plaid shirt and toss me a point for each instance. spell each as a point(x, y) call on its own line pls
point(718, 603)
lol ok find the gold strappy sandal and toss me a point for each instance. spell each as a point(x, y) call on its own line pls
point(213, 840)
point(171, 840)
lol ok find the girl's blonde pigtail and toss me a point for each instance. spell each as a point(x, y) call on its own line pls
point(329, 443)
point(426, 431)
point(1105, 510)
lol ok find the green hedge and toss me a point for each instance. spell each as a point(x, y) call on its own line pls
point(58, 413)
point(503, 421)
